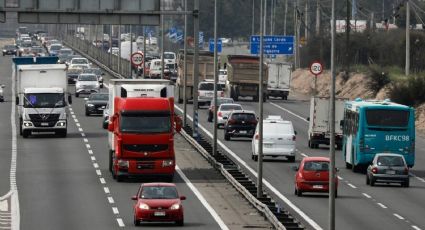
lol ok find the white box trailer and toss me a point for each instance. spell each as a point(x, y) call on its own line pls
point(279, 82)
point(42, 98)
point(319, 126)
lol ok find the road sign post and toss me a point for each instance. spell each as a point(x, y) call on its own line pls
point(316, 68)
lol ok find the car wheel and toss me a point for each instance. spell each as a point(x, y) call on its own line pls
point(119, 178)
point(367, 180)
point(87, 113)
point(372, 181)
point(406, 183)
point(210, 117)
point(110, 160)
point(336, 193)
point(299, 193)
point(26, 133)
point(295, 191)
point(169, 178)
point(255, 157)
point(136, 222)
point(180, 222)
point(309, 144)
point(348, 165)
point(226, 137)
point(291, 158)
point(77, 94)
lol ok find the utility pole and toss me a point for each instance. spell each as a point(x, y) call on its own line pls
point(119, 51)
point(318, 18)
point(372, 21)
point(260, 91)
point(296, 31)
point(131, 50)
point(253, 18)
point(110, 47)
point(162, 46)
point(347, 41)
point(185, 66)
point(215, 82)
point(306, 21)
point(195, 67)
point(284, 18)
point(332, 170)
point(144, 53)
point(265, 17)
point(407, 67)
point(383, 10)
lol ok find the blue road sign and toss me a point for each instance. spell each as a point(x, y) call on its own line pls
point(201, 39)
point(219, 45)
point(273, 44)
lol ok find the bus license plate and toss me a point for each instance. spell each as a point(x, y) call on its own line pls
point(390, 172)
point(318, 186)
point(159, 213)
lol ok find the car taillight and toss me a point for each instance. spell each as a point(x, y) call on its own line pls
point(222, 94)
point(294, 138)
point(219, 114)
point(257, 136)
point(406, 170)
point(254, 122)
point(375, 170)
point(231, 121)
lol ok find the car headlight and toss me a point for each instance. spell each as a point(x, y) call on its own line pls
point(4, 50)
point(144, 206)
point(167, 163)
point(27, 124)
point(90, 105)
point(175, 207)
point(61, 124)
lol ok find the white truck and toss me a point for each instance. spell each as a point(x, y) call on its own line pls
point(279, 82)
point(319, 126)
point(42, 99)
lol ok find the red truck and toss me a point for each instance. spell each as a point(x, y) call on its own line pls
point(141, 128)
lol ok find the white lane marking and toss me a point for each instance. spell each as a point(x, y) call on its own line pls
point(351, 185)
point(90, 151)
point(304, 155)
point(106, 189)
point(111, 200)
point(70, 108)
point(78, 124)
point(80, 129)
point(366, 195)
point(76, 120)
point(340, 178)
point(93, 158)
point(266, 183)
point(73, 116)
point(85, 140)
point(398, 216)
point(290, 112)
point(83, 134)
point(95, 165)
point(120, 222)
point(98, 172)
point(88, 146)
point(102, 180)
point(202, 200)
point(416, 227)
point(13, 163)
point(381, 205)
point(418, 178)
point(4, 205)
point(115, 210)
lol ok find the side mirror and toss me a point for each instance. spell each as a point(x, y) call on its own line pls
point(225, 118)
point(70, 99)
point(295, 132)
point(337, 169)
point(178, 122)
point(134, 198)
point(294, 168)
point(308, 119)
point(105, 123)
point(110, 126)
point(182, 198)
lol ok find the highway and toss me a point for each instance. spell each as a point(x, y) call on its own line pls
point(358, 206)
point(64, 183)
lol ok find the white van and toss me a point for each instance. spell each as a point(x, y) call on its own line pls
point(279, 139)
point(155, 69)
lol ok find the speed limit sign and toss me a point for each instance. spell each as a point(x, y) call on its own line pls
point(137, 59)
point(316, 68)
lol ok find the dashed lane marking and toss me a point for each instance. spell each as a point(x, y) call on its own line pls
point(111, 200)
point(351, 185)
point(398, 216)
point(102, 180)
point(106, 190)
point(115, 210)
point(381, 205)
point(120, 222)
point(366, 195)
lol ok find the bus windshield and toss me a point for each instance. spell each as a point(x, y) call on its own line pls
point(387, 118)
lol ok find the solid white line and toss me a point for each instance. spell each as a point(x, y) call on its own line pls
point(398, 216)
point(416, 227)
point(115, 210)
point(106, 189)
point(366, 195)
point(296, 115)
point(265, 182)
point(304, 155)
point(102, 180)
point(13, 162)
point(93, 158)
point(90, 151)
point(120, 222)
point(95, 165)
point(111, 200)
point(351, 185)
point(382, 206)
point(202, 200)
point(98, 172)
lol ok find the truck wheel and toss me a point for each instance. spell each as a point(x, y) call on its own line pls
point(77, 94)
point(110, 161)
point(61, 133)
point(255, 98)
point(26, 133)
point(20, 126)
point(226, 137)
point(87, 113)
point(291, 158)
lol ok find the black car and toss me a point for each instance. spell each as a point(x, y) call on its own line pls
point(9, 50)
point(96, 103)
point(98, 72)
point(72, 75)
point(240, 123)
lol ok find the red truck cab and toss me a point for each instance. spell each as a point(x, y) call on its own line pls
point(144, 131)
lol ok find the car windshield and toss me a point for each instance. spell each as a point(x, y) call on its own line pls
point(159, 192)
point(99, 97)
point(210, 86)
point(87, 78)
point(243, 116)
point(74, 71)
point(316, 166)
point(94, 71)
point(277, 128)
point(171, 66)
point(65, 52)
point(43, 100)
point(27, 44)
point(386, 117)
point(58, 47)
point(390, 161)
point(79, 61)
point(230, 107)
point(223, 72)
point(168, 56)
point(145, 123)
point(223, 101)
point(9, 47)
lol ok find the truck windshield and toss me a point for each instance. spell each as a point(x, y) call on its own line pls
point(386, 117)
point(44, 100)
point(145, 123)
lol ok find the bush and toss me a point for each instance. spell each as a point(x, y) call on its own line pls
point(378, 78)
point(408, 91)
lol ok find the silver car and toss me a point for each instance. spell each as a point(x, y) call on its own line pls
point(87, 83)
point(388, 168)
point(224, 111)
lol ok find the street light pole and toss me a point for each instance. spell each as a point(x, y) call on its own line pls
point(260, 92)
point(195, 67)
point(184, 67)
point(332, 172)
point(407, 67)
point(162, 46)
point(215, 81)
point(253, 18)
point(144, 53)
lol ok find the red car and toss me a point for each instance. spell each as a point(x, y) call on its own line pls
point(313, 176)
point(158, 202)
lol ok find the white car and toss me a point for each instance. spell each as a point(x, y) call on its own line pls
point(206, 92)
point(79, 62)
point(87, 83)
point(224, 110)
point(279, 139)
point(222, 76)
point(169, 58)
point(155, 69)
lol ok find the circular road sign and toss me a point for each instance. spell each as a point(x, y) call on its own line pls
point(316, 68)
point(137, 59)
